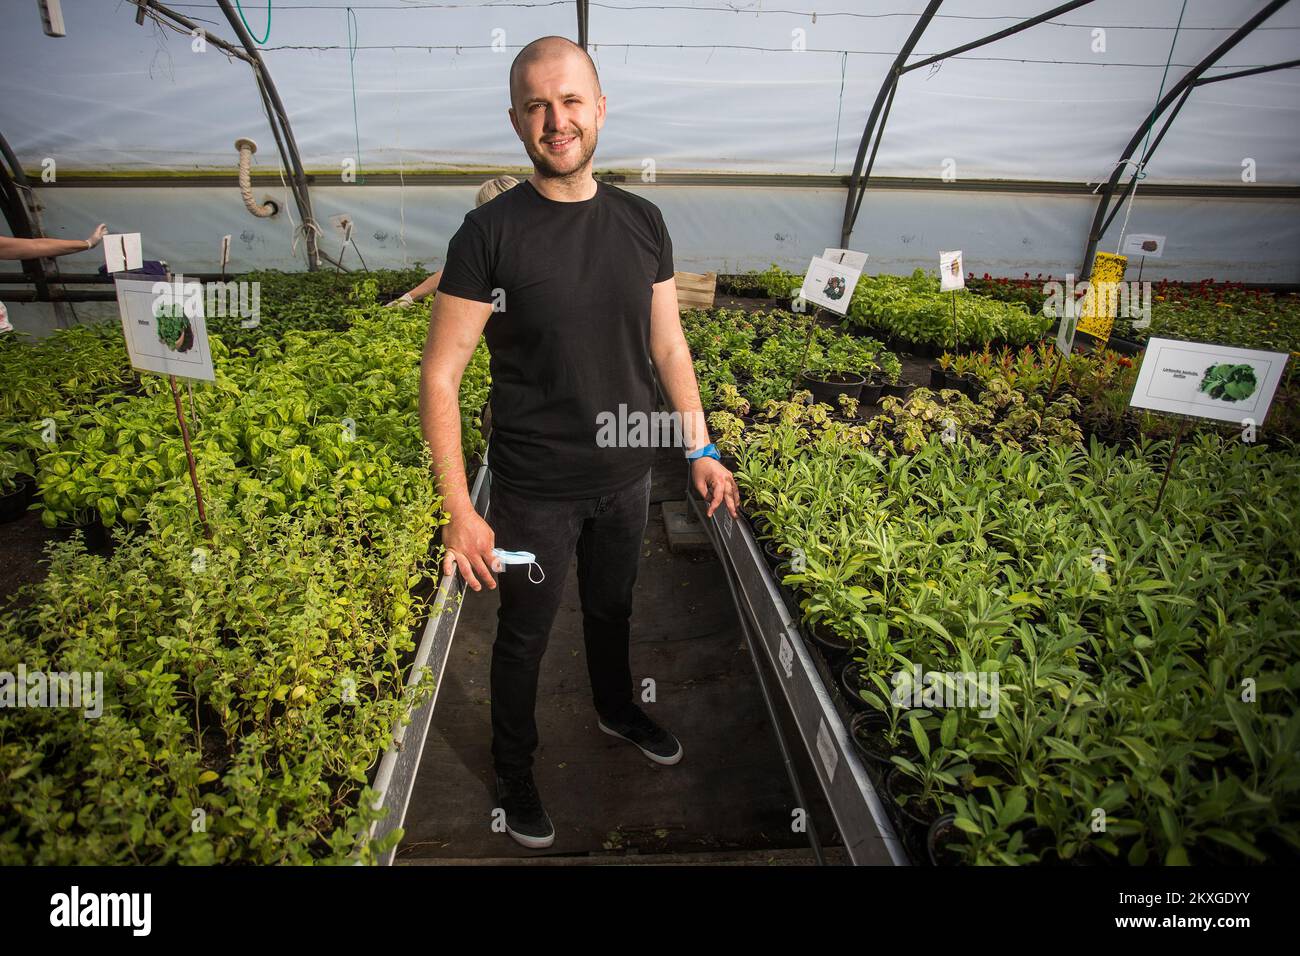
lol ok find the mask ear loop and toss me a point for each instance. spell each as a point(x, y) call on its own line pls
point(539, 571)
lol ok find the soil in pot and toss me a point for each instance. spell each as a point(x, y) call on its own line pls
point(915, 811)
point(939, 840)
point(869, 731)
point(14, 505)
point(827, 388)
point(851, 684)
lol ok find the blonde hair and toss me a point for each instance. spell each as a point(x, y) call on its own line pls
point(494, 188)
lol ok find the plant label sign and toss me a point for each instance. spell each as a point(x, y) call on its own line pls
point(164, 327)
point(846, 257)
point(1208, 381)
point(827, 750)
point(1142, 244)
point(786, 656)
point(830, 284)
point(951, 275)
point(122, 252)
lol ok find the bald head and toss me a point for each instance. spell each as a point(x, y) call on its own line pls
point(546, 50)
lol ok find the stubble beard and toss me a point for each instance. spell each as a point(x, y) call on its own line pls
point(546, 168)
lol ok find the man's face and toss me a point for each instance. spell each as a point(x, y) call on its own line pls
point(557, 113)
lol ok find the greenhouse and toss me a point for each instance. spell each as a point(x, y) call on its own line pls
point(880, 450)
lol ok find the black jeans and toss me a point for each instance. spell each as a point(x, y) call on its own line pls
point(606, 533)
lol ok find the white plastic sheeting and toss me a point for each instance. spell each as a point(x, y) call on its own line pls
point(692, 84)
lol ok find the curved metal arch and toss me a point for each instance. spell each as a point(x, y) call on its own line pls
point(1180, 91)
point(858, 179)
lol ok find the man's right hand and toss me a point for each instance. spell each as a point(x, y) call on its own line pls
point(468, 541)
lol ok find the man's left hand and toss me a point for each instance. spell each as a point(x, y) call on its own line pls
point(715, 484)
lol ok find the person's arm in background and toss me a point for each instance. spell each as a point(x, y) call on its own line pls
point(420, 292)
point(672, 359)
point(455, 326)
point(47, 248)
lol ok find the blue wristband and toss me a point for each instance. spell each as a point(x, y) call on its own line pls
point(709, 450)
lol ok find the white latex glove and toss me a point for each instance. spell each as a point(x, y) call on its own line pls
point(404, 300)
point(95, 237)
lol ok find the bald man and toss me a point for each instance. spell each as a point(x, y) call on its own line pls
point(571, 282)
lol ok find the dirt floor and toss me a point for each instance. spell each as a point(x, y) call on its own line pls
point(730, 795)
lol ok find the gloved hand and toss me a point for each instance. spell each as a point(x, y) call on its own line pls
point(404, 300)
point(95, 237)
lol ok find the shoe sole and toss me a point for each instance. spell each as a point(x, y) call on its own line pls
point(531, 842)
point(662, 761)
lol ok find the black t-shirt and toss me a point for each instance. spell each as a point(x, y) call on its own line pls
point(570, 341)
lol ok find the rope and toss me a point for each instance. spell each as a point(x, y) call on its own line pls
point(266, 36)
point(246, 184)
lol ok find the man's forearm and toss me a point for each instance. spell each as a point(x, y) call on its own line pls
point(677, 376)
point(40, 248)
point(440, 423)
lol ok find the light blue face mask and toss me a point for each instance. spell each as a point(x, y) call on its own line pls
point(519, 557)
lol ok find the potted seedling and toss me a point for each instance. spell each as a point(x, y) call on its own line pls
point(16, 483)
point(917, 785)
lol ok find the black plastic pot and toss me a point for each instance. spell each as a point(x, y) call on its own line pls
point(93, 531)
point(901, 390)
point(14, 505)
point(761, 527)
point(774, 557)
point(867, 729)
point(827, 639)
point(851, 683)
point(971, 385)
point(898, 784)
point(1123, 346)
point(942, 834)
point(828, 390)
point(870, 392)
point(938, 377)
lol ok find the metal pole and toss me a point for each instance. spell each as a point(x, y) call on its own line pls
point(1188, 80)
point(855, 187)
point(1000, 35)
point(282, 117)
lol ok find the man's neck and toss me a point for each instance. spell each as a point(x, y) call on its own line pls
point(575, 187)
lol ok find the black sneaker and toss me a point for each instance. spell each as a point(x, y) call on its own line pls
point(655, 742)
point(526, 819)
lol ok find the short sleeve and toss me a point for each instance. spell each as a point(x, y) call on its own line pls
point(665, 250)
point(468, 271)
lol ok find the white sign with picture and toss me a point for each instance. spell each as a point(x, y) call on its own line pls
point(1208, 381)
point(164, 327)
point(830, 284)
point(951, 275)
point(1142, 244)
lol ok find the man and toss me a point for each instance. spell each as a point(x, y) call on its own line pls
point(571, 281)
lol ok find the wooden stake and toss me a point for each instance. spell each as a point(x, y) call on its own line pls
point(807, 347)
point(189, 457)
point(1169, 465)
point(1060, 357)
